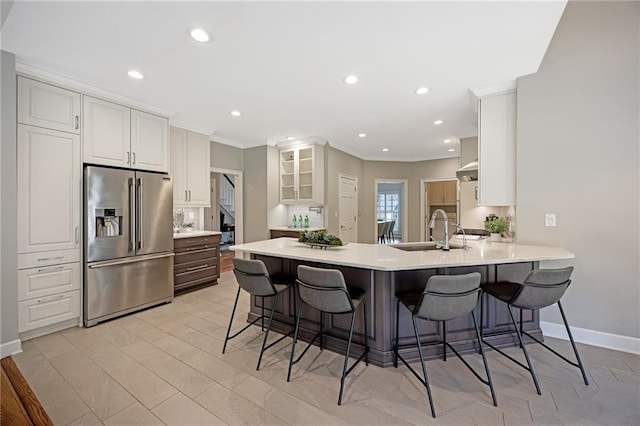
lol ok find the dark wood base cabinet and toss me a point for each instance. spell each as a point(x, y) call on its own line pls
point(197, 262)
point(380, 288)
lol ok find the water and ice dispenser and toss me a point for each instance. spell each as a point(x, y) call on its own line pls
point(108, 222)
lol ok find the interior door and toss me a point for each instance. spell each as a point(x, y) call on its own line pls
point(348, 208)
point(154, 213)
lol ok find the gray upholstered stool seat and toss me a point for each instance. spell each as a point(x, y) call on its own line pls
point(444, 298)
point(326, 291)
point(254, 278)
point(541, 288)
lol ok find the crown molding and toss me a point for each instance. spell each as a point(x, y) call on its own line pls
point(187, 126)
point(302, 141)
point(29, 70)
point(491, 89)
point(231, 142)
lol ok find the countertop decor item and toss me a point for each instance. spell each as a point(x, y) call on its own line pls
point(497, 227)
point(319, 238)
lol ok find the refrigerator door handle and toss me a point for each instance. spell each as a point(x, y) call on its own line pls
point(131, 210)
point(139, 208)
point(128, 260)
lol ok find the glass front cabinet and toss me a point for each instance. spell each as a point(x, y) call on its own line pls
point(302, 175)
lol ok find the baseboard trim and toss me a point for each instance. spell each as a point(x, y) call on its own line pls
point(592, 337)
point(10, 348)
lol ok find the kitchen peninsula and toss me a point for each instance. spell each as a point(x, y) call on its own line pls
point(382, 270)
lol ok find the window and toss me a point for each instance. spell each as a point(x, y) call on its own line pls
point(388, 206)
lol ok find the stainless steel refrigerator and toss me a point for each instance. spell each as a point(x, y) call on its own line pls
point(128, 250)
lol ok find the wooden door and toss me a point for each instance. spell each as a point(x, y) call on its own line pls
point(48, 190)
point(149, 142)
point(48, 106)
point(348, 208)
point(107, 133)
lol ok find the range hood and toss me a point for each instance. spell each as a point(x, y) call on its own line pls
point(468, 172)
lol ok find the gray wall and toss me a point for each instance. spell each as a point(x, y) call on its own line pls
point(226, 156)
point(413, 172)
point(336, 162)
point(255, 194)
point(8, 215)
point(578, 157)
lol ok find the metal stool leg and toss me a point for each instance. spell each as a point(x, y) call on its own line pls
point(521, 330)
point(526, 353)
point(321, 330)
point(444, 341)
point(424, 368)
point(264, 341)
point(395, 348)
point(233, 312)
point(293, 344)
point(346, 358)
point(573, 344)
point(484, 359)
point(262, 320)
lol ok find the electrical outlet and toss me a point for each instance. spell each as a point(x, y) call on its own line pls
point(549, 219)
point(192, 215)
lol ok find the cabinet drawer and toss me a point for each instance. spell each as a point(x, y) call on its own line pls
point(207, 241)
point(51, 107)
point(210, 254)
point(47, 280)
point(199, 273)
point(288, 234)
point(47, 258)
point(39, 312)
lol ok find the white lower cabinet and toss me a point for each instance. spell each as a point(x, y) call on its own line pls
point(48, 280)
point(48, 310)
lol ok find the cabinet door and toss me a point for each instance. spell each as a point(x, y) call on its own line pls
point(107, 133)
point(47, 106)
point(436, 193)
point(198, 169)
point(36, 313)
point(288, 175)
point(450, 192)
point(306, 175)
point(178, 166)
point(149, 142)
point(48, 190)
point(496, 150)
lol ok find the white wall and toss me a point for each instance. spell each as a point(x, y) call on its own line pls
point(578, 156)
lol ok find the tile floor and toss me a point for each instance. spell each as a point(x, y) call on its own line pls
point(165, 366)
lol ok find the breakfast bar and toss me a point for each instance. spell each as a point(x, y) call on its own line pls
point(382, 271)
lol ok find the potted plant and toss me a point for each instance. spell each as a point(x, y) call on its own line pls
point(496, 227)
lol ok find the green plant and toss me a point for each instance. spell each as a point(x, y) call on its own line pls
point(188, 225)
point(319, 237)
point(496, 226)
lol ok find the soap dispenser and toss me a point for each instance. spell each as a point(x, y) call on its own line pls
point(306, 221)
point(294, 223)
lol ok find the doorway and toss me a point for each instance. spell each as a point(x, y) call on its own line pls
point(348, 208)
point(438, 194)
point(391, 210)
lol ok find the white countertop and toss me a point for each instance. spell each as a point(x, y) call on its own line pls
point(288, 228)
point(192, 234)
point(385, 258)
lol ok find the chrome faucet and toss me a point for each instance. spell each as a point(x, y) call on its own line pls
point(432, 223)
point(464, 236)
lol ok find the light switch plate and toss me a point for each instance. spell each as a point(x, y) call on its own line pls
point(192, 215)
point(549, 219)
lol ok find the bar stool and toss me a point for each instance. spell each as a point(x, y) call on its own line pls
point(326, 291)
point(381, 228)
point(390, 235)
point(445, 297)
point(253, 277)
point(541, 288)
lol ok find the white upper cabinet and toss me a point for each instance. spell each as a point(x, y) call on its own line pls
point(190, 168)
point(302, 175)
point(48, 190)
point(48, 106)
point(107, 133)
point(115, 135)
point(497, 149)
point(149, 142)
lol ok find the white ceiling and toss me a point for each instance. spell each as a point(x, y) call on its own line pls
point(282, 64)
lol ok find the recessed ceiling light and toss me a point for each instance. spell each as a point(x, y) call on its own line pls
point(362, 135)
point(290, 138)
point(422, 90)
point(135, 74)
point(451, 149)
point(447, 141)
point(438, 122)
point(235, 113)
point(351, 79)
point(198, 34)
point(385, 149)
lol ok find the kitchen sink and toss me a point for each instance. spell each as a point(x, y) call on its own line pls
point(424, 246)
